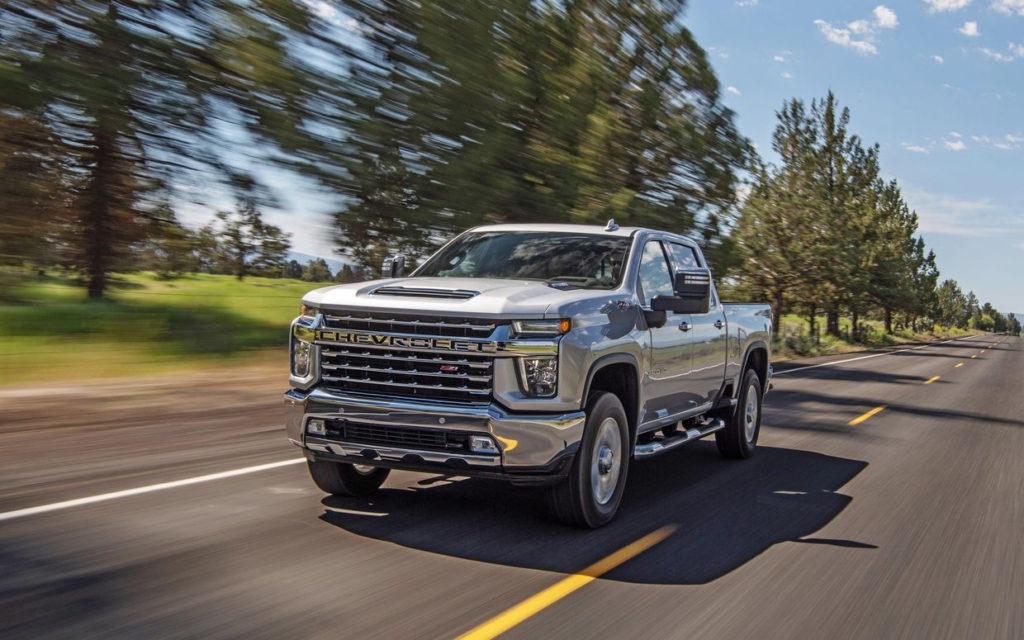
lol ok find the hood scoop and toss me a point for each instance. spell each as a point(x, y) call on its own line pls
point(425, 292)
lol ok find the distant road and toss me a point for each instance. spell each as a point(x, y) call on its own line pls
point(886, 500)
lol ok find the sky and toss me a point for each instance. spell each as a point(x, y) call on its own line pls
point(938, 84)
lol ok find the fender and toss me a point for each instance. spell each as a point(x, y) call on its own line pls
point(611, 359)
point(753, 346)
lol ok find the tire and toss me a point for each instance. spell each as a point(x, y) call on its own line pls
point(739, 438)
point(343, 479)
point(590, 496)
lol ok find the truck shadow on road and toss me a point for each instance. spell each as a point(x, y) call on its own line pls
point(726, 514)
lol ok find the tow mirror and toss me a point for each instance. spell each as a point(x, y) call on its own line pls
point(394, 266)
point(692, 293)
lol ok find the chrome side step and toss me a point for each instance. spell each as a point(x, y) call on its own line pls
point(663, 444)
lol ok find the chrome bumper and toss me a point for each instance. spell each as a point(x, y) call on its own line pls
point(526, 443)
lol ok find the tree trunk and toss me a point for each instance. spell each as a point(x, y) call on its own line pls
point(812, 321)
point(854, 331)
point(832, 321)
point(97, 211)
point(888, 321)
point(777, 310)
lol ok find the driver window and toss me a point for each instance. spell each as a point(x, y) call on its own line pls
point(655, 277)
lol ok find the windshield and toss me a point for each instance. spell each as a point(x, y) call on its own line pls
point(560, 259)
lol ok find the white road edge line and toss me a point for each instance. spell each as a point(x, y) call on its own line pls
point(874, 355)
point(103, 497)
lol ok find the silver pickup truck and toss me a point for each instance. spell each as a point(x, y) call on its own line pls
point(540, 354)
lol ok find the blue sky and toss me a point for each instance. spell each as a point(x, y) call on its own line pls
point(939, 84)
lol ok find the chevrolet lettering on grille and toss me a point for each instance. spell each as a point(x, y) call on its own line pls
point(406, 342)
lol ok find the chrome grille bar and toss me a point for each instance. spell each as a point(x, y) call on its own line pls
point(407, 372)
point(408, 385)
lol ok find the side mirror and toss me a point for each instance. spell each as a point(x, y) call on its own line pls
point(692, 293)
point(394, 266)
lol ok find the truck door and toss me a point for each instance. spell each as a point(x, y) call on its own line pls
point(708, 336)
point(670, 351)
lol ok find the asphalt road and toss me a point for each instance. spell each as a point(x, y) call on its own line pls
point(906, 524)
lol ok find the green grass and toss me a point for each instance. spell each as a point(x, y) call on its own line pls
point(49, 329)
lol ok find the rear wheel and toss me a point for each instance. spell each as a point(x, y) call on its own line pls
point(590, 496)
point(343, 479)
point(739, 438)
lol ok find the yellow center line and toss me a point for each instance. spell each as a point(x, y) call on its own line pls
point(860, 419)
point(974, 356)
point(958, 365)
point(931, 380)
point(504, 621)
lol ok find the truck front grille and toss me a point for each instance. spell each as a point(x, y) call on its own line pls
point(388, 369)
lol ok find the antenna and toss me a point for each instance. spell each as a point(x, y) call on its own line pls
point(612, 225)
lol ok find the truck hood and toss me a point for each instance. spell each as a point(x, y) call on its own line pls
point(458, 296)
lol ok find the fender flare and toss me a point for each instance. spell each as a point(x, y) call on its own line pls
point(606, 361)
point(757, 345)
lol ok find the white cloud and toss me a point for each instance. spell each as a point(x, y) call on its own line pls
point(938, 59)
point(844, 38)
point(1014, 51)
point(1014, 139)
point(954, 134)
point(914, 148)
point(786, 75)
point(945, 214)
point(970, 29)
point(747, 3)
point(733, 90)
point(861, 27)
point(885, 17)
point(860, 35)
point(1009, 7)
point(939, 6)
point(779, 58)
point(954, 145)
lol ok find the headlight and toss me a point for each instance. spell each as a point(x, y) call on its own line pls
point(540, 376)
point(540, 328)
point(301, 351)
point(303, 354)
point(308, 311)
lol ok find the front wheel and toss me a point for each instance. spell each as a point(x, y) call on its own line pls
point(739, 437)
point(590, 496)
point(343, 479)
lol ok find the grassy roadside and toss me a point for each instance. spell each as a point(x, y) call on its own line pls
point(49, 330)
point(793, 339)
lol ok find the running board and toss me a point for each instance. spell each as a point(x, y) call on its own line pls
point(663, 444)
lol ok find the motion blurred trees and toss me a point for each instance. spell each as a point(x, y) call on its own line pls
point(116, 102)
point(464, 113)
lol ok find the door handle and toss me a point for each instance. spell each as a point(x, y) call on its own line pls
point(719, 324)
point(685, 326)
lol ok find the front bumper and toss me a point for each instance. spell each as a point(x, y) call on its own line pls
point(530, 447)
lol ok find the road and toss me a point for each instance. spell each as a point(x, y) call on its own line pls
point(907, 523)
